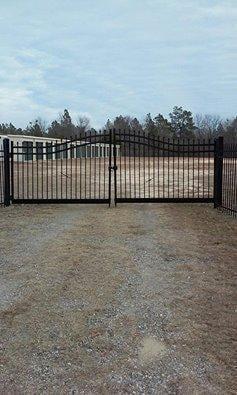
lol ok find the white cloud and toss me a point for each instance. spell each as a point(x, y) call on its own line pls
point(116, 56)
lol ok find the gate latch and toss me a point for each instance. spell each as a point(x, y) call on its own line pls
point(113, 167)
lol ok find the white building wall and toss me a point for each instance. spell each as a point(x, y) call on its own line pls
point(97, 150)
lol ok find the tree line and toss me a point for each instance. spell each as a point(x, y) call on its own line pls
point(181, 123)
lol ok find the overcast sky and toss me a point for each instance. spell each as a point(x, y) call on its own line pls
point(103, 58)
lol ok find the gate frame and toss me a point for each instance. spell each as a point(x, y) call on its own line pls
point(217, 185)
point(68, 143)
point(8, 181)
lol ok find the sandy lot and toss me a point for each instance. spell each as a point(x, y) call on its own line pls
point(149, 177)
point(134, 299)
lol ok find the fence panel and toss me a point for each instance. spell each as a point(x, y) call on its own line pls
point(229, 178)
point(71, 170)
point(164, 170)
point(145, 168)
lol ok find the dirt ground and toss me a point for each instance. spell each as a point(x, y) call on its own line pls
point(135, 299)
point(136, 177)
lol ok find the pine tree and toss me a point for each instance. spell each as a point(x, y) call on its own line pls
point(67, 127)
point(55, 130)
point(149, 126)
point(163, 127)
point(9, 128)
point(182, 123)
point(122, 123)
point(135, 125)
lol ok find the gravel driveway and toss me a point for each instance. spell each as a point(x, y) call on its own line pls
point(135, 299)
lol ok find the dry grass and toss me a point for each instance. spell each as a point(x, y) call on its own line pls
point(137, 299)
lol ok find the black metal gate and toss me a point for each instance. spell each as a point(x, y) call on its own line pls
point(68, 171)
point(117, 166)
point(151, 169)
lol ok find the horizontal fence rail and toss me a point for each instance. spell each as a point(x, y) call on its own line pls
point(229, 178)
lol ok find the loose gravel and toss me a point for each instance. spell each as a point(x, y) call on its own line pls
point(135, 299)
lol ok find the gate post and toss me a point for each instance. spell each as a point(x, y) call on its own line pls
point(110, 162)
point(115, 166)
point(218, 168)
point(6, 151)
point(12, 171)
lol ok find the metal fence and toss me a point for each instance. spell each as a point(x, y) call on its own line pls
point(229, 178)
point(136, 168)
point(120, 166)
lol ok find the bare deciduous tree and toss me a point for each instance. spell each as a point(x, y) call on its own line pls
point(207, 125)
point(82, 125)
